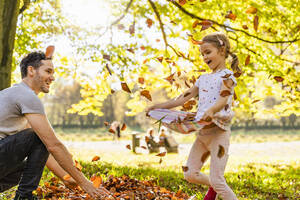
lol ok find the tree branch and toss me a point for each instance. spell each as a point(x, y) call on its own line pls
point(25, 6)
point(160, 23)
point(125, 12)
point(225, 26)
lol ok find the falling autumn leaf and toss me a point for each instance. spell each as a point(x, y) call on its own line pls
point(141, 80)
point(182, 2)
point(147, 139)
point(128, 146)
point(247, 61)
point(205, 156)
point(221, 151)
point(230, 15)
point(255, 101)
point(111, 131)
point(66, 177)
point(106, 123)
point(160, 160)
point(237, 74)
point(160, 59)
point(226, 107)
point(96, 158)
point(185, 168)
point(78, 166)
point(162, 154)
point(234, 96)
point(146, 94)
point(97, 180)
point(143, 147)
point(142, 48)
point(228, 83)
point(49, 52)
point(225, 93)
point(112, 91)
point(170, 78)
point(187, 85)
point(186, 94)
point(255, 22)
point(149, 22)
point(278, 78)
point(125, 87)
point(196, 42)
point(195, 23)
point(123, 127)
point(205, 24)
point(226, 76)
point(245, 27)
point(251, 10)
point(130, 50)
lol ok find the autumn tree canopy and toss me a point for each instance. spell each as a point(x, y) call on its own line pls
point(154, 45)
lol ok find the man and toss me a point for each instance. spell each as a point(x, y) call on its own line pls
point(27, 138)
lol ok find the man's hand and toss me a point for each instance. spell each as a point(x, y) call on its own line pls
point(70, 183)
point(100, 192)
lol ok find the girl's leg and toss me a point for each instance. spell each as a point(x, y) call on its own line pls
point(198, 155)
point(219, 146)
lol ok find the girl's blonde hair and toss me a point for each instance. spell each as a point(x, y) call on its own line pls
point(220, 40)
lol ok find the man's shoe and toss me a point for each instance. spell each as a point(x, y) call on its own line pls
point(210, 195)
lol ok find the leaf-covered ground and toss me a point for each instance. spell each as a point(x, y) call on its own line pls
point(252, 181)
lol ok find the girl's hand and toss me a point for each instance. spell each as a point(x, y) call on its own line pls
point(208, 115)
point(151, 108)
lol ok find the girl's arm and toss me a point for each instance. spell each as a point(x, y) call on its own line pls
point(178, 101)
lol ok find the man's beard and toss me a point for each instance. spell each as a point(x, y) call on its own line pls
point(41, 84)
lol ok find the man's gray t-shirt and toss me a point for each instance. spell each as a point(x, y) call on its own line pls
point(16, 101)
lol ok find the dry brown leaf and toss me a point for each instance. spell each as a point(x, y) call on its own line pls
point(125, 87)
point(128, 146)
point(206, 24)
point(162, 154)
point(256, 100)
point(146, 94)
point(106, 57)
point(278, 78)
point(49, 52)
point(255, 22)
point(149, 22)
point(221, 151)
point(251, 10)
point(245, 27)
point(225, 93)
point(247, 61)
point(185, 168)
point(141, 80)
point(205, 156)
point(182, 2)
point(123, 127)
point(96, 158)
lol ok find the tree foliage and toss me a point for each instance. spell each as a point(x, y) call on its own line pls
point(160, 38)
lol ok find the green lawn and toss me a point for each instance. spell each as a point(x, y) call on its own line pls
point(237, 136)
point(250, 182)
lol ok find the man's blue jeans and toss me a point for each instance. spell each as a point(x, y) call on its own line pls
point(22, 160)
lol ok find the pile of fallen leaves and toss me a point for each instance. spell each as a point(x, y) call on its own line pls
point(122, 188)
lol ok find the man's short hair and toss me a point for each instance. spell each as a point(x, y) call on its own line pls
point(32, 59)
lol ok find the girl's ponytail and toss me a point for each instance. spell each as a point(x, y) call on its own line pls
point(235, 62)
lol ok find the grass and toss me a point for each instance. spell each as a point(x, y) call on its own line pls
point(237, 136)
point(252, 181)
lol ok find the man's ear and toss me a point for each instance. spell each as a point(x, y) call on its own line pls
point(30, 71)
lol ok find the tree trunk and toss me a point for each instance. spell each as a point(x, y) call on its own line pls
point(9, 10)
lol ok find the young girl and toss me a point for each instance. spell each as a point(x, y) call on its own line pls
point(212, 120)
